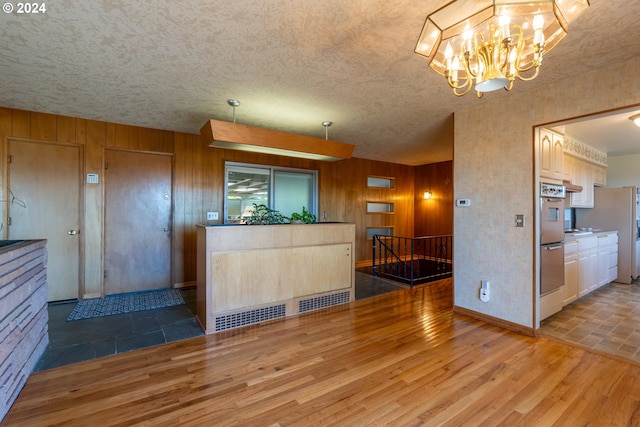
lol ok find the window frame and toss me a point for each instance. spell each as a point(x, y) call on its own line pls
point(244, 167)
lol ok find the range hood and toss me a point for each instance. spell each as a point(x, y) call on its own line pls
point(259, 140)
point(571, 188)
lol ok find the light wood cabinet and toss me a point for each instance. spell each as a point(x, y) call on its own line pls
point(253, 273)
point(570, 272)
point(551, 154)
point(583, 175)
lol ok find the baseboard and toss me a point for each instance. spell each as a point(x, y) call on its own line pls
point(184, 285)
point(524, 330)
point(364, 263)
point(92, 296)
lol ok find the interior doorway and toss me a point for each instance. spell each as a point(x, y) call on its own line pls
point(138, 221)
point(44, 203)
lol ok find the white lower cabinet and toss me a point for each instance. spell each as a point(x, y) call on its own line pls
point(603, 260)
point(589, 263)
point(613, 259)
point(570, 272)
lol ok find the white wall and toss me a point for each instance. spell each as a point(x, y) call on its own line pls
point(623, 170)
point(494, 167)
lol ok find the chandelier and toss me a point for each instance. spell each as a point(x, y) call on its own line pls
point(493, 42)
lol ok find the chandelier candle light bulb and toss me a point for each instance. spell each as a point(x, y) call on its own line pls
point(494, 42)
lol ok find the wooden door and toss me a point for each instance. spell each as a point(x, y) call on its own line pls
point(44, 203)
point(137, 221)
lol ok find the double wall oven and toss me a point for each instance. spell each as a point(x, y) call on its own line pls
point(551, 237)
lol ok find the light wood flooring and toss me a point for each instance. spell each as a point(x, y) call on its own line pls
point(399, 359)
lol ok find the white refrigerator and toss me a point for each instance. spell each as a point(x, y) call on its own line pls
point(617, 209)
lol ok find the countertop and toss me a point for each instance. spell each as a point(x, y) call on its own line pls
point(570, 237)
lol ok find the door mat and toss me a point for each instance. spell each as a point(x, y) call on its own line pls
point(125, 303)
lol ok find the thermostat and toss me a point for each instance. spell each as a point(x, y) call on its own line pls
point(463, 202)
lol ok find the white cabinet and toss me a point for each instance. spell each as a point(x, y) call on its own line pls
point(570, 272)
point(587, 265)
point(551, 154)
point(612, 265)
point(599, 176)
point(590, 262)
point(583, 175)
point(603, 259)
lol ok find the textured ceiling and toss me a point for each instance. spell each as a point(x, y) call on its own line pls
point(291, 63)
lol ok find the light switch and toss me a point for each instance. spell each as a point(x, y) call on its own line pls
point(212, 216)
point(519, 220)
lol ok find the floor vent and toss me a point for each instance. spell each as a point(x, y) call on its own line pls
point(250, 317)
point(323, 301)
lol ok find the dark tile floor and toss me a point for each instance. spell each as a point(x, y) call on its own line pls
point(72, 342)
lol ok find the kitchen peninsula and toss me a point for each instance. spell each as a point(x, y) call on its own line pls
point(247, 274)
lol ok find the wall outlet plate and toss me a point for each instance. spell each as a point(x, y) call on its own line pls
point(484, 295)
point(463, 202)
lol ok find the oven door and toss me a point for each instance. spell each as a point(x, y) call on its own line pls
point(551, 267)
point(551, 220)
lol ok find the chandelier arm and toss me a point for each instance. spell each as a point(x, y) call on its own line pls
point(526, 79)
point(509, 86)
point(454, 84)
point(468, 88)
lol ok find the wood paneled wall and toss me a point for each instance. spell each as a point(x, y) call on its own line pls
point(434, 216)
point(198, 185)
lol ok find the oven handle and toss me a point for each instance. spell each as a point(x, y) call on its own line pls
point(552, 248)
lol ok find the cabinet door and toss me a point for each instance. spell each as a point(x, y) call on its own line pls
point(568, 168)
point(557, 156)
point(570, 278)
point(587, 271)
point(592, 273)
point(583, 176)
point(583, 272)
point(603, 265)
point(551, 154)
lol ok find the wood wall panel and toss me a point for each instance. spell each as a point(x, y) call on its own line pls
point(5, 121)
point(344, 196)
point(65, 129)
point(434, 216)
point(81, 131)
point(92, 236)
point(20, 124)
point(199, 184)
point(43, 127)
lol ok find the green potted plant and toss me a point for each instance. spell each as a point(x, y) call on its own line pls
point(263, 215)
point(305, 217)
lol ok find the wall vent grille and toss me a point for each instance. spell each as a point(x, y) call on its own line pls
point(250, 317)
point(323, 301)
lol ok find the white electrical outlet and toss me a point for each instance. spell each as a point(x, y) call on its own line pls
point(212, 216)
point(484, 291)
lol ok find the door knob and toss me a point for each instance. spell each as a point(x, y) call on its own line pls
point(73, 232)
point(167, 228)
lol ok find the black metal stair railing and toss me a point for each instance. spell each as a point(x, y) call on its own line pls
point(412, 260)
